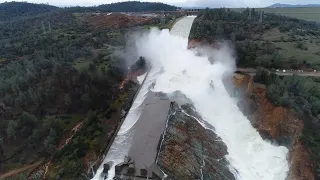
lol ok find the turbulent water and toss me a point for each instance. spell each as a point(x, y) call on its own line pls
point(251, 156)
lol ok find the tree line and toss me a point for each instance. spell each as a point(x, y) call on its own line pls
point(243, 30)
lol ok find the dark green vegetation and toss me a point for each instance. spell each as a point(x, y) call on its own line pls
point(306, 13)
point(10, 10)
point(56, 72)
point(41, 91)
point(130, 6)
point(270, 40)
point(140, 64)
point(302, 95)
point(136, 6)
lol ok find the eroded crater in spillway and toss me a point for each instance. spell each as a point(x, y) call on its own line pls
point(191, 151)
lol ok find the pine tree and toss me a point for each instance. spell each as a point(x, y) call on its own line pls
point(11, 129)
point(43, 28)
point(261, 17)
point(49, 26)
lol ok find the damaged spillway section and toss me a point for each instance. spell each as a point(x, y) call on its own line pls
point(190, 151)
point(184, 125)
point(203, 82)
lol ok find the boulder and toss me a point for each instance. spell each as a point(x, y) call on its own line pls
point(106, 167)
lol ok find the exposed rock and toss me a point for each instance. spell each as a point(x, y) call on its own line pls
point(177, 97)
point(275, 123)
point(106, 167)
point(189, 151)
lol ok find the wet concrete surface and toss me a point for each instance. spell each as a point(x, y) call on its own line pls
point(148, 131)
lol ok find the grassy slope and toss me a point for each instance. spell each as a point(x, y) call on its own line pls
point(309, 14)
point(284, 42)
point(287, 46)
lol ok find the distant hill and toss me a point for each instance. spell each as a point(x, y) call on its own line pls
point(9, 10)
point(129, 6)
point(136, 6)
point(278, 5)
point(14, 10)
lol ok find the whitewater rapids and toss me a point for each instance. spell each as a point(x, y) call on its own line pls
point(251, 156)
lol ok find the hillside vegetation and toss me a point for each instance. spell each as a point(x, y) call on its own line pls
point(262, 39)
point(130, 6)
point(59, 71)
point(136, 6)
point(306, 13)
point(23, 10)
point(301, 95)
point(44, 92)
point(9, 10)
point(279, 5)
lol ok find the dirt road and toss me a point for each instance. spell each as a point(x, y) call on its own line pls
point(16, 171)
point(252, 71)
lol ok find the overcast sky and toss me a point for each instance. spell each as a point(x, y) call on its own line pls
point(183, 3)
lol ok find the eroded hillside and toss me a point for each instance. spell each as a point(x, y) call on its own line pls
point(277, 124)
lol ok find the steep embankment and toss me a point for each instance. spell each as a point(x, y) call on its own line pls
point(189, 151)
point(276, 123)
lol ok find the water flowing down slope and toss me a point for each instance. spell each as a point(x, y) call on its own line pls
point(251, 156)
point(182, 27)
point(122, 143)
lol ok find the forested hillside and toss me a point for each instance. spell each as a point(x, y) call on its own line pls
point(9, 10)
point(262, 39)
point(130, 6)
point(302, 96)
point(23, 10)
point(136, 6)
point(50, 78)
point(60, 71)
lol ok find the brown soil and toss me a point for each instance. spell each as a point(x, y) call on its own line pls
point(115, 21)
point(193, 43)
point(20, 170)
point(277, 122)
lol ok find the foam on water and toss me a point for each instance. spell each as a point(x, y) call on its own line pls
point(249, 154)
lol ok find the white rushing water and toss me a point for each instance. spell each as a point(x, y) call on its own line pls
point(249, 154)
point(122, 143)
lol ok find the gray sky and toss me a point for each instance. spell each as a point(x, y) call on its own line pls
point(184, 3)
